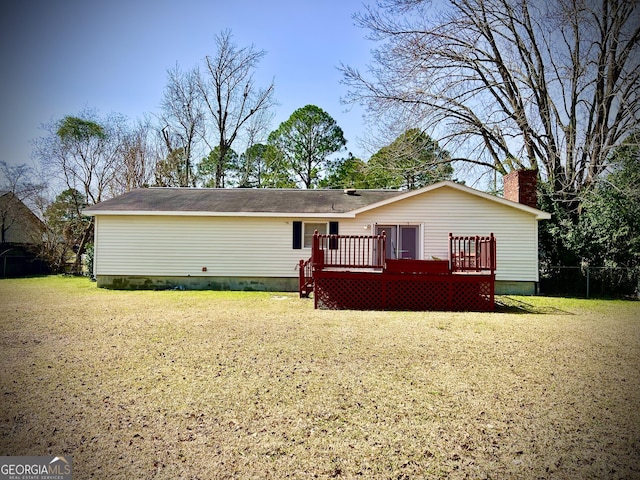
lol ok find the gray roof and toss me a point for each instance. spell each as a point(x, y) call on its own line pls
point(241, 200)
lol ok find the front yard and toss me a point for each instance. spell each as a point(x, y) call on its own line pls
point(212, 385)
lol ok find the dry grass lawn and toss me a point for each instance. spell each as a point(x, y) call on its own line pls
point(214, 385)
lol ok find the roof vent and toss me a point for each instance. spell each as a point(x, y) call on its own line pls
point(350, 191)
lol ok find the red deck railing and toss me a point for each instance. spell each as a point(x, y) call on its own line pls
point(348, 251)
point(305, 278)
point(341, 251)
point(472, 254)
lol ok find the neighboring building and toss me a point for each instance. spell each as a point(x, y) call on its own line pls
point(20, 238)
point(253, 239)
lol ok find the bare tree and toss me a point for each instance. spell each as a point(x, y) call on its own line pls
point(252, 160)
point(230, 95)
point(182, 120)
point(20, 180)
point(139, 156)
point(85, 153)
point(521, 83)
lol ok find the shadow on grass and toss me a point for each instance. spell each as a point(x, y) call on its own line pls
point(506, 304)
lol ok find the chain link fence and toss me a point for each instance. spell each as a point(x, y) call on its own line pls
point(587, 282)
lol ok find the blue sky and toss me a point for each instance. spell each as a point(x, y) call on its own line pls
point(60, 56)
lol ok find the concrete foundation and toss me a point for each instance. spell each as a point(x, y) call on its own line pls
point(264, 284)
point(267, 284)
point(503, 287)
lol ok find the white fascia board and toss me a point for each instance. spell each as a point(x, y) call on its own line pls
point(540, 215)
point(218, 214)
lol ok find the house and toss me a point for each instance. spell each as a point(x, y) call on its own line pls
point(253, 239)
point(21, 234)
point(18, 224)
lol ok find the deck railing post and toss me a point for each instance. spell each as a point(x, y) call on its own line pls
point(382, 251)
point(451, 264)
point(492, 249)
point(317, 256)
point(461, 252)
point(301, 275)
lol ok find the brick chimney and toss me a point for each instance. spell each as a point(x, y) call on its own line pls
point(520, 186)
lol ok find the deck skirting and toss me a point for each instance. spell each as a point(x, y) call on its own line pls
point(335, 290)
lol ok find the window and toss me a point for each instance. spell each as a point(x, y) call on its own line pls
point(303, 233)
point(309, 228)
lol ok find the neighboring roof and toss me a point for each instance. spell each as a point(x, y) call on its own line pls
point(13, 203)
point(271, 202)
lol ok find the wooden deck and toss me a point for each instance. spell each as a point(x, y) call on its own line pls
point(351, 272)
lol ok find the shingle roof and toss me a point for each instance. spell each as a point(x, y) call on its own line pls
point(241, 200)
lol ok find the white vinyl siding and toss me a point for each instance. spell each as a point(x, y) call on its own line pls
point(183, 245)
point(449, 210)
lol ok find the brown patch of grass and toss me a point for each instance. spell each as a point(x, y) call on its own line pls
point(257, 385)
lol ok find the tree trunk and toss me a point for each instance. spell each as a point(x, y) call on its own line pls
point(77, 264)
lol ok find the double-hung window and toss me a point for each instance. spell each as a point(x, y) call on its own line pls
point(309, 229)
point(303, 233)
